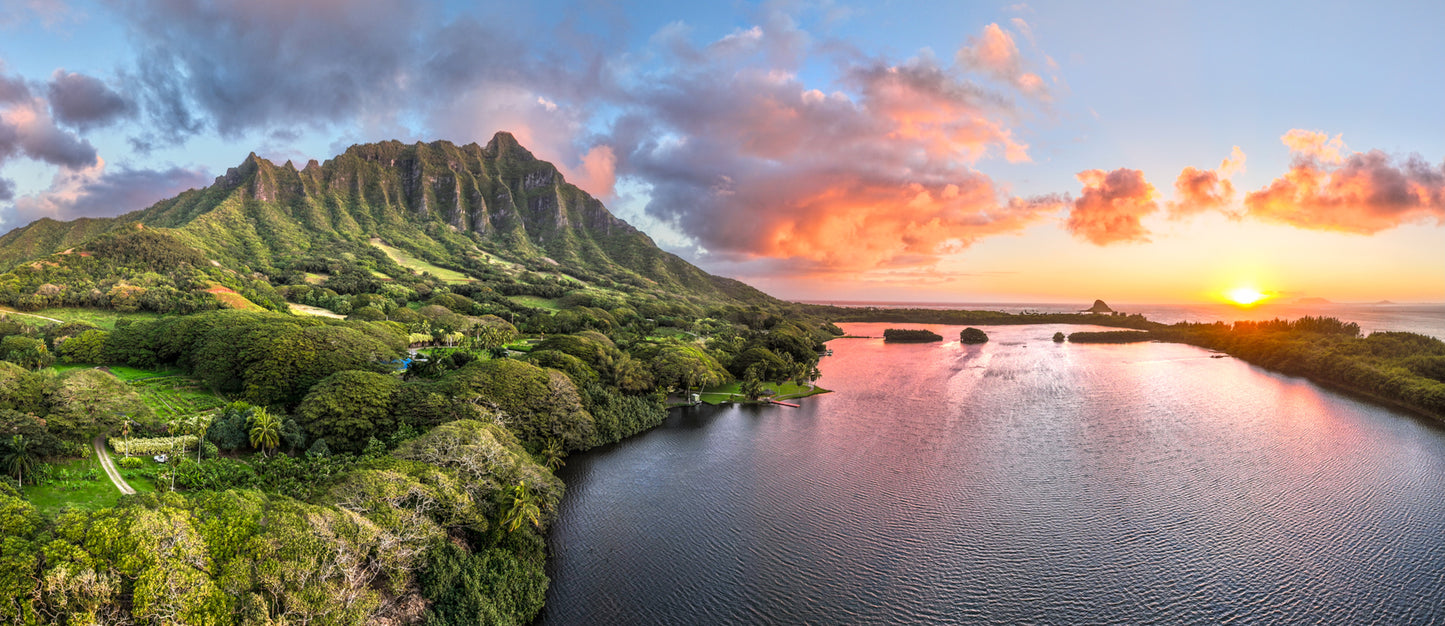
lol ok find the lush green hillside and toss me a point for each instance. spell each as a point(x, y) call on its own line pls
point(418, 216)
point(46, 236)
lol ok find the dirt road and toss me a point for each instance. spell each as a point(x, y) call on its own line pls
point(105, 462)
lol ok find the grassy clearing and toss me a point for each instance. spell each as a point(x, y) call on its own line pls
point(405, 259)
point(176, 396)
point(6, 311)
point(536, 302)
point(303, 309)
point(499, 261)
point(168, 392)
point(668, 331)
point(731, 392)
point(82, 484)
point(61, 368)
point(128, 374)
point(122, 372)
point(100, 317)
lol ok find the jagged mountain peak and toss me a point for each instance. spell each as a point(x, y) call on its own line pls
point(435, 199)
point(505, 145)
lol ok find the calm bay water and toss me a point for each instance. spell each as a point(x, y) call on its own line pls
point(1020, 481)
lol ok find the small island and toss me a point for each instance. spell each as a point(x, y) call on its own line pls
point(972, 335)
point(1099, 307)
point(1058, 337)
point(902, 335)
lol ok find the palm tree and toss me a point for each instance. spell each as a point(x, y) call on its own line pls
point(197, 425)
point(20, 460)
point(553, 454)
point(265, 430)
point(524, 508)
point(125, 431)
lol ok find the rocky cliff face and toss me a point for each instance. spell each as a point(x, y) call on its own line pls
point(500, 190)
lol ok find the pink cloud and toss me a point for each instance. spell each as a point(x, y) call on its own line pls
point(995, 53)
point(1361, 193)
point(598, 173)
point(1110, 208)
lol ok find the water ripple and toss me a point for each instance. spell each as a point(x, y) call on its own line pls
point(1020, 481)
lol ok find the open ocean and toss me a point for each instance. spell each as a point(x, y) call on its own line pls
point(1426, 319)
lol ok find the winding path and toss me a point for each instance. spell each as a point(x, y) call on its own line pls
point(105, 462)
point(14, 312)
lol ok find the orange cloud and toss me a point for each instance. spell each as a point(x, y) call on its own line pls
point(1111, 206)
point(1204, 190)
point(1315, 145)
point(1363, 193)
point(852, 223)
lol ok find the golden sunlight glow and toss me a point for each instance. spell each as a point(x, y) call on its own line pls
point(1245, 296)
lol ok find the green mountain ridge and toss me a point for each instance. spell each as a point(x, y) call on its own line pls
point(474, 209)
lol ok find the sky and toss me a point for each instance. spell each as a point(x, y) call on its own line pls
point(848, 151)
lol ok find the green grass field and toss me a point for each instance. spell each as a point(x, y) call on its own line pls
point(731, 392)
point(82, 484)
point(176, 396)
point(123, 372)
point(536, 302)
point(302, 309)
point(405, 259)
point(168, 392)
point(667, 331)
point(506, 265)
point(100, 317)
point(129, 374)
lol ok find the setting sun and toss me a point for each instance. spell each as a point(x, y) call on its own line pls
point(1245, 296)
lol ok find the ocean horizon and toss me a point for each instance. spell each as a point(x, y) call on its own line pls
point(1423, 318)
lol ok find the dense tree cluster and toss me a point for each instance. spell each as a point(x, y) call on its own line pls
point(972, 335)
point(1110, 336)
point(409, 537)
point(266, 358)
point(910, 335)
